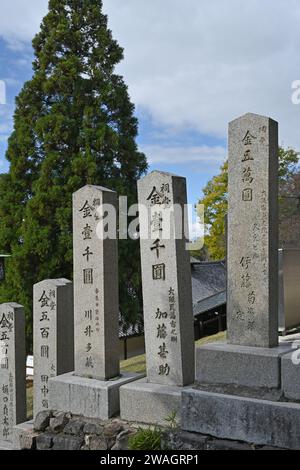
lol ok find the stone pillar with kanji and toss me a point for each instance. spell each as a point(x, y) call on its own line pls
point(252, 291)
point(96, 290)
point(53, 336)
point(92, 390)
point(12, 370)
point(166, 275)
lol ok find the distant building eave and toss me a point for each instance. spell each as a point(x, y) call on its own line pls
point(213, 302)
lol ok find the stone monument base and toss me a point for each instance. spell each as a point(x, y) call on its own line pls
point(290, 375)
point(222, 363)
point(256, 421)
point(24, 436)
point(5, 445)
point(243, 393)
point(88, 397)
point(150, 403)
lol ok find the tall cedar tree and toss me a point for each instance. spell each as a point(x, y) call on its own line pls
point(74, 125)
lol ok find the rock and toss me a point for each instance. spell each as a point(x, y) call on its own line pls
point(93, 428)
point(122, 440)
point(94, 442)
point(42, 420)
point(74, 427)
point(181, 440)
point(63, 442)
point(58, 423)
point(112, 429)
point(57, 413)
point(44, 441)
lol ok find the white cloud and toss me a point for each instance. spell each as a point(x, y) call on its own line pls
point(197, 64)
point(20, 20)
point(200, 64)
point(177, 155)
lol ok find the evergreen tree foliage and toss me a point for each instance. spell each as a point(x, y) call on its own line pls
point(74, 125)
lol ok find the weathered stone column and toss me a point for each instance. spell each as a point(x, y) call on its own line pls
point(96, 289)
point(53, 319)
point(252, 295)
point(93, 389)
point(240, 382)
point(167, 296)
point(12, 369)
point(166, 275)
point(251, 356)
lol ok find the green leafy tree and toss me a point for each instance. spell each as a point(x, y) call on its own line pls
point(215, 201)
point(74, 125)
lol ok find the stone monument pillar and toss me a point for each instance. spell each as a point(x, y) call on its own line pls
point(252, 292)
point(53, 320)
point(242, 380)
point(96, 289)
point(252, 279)
point(92, 390)
point(12, 371)
point(167, 295)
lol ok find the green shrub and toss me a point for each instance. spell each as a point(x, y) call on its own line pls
point(146, 439)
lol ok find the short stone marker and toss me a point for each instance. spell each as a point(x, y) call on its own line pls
point(93, 389)
point(12, 370)
point(167, 295)
point(53, 320)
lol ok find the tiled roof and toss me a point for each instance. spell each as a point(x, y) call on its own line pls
point(208, 287)
point(208, 279)
point(209, 303)
point(127, 331)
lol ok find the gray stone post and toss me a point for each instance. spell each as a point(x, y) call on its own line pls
point(252, 294)
point(12, 369)
point(96, 290)
point(53, 319)
point(166, 275)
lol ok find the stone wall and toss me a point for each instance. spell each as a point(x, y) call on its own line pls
point(61, 431)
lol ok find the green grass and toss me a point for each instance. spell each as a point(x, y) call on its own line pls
point(134, 364)
point(212, 339)
point(138, 363)
point(146, 439)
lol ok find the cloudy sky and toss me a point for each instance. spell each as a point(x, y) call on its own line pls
point(191, 67)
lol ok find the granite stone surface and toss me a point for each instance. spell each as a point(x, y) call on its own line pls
point(252, 283)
